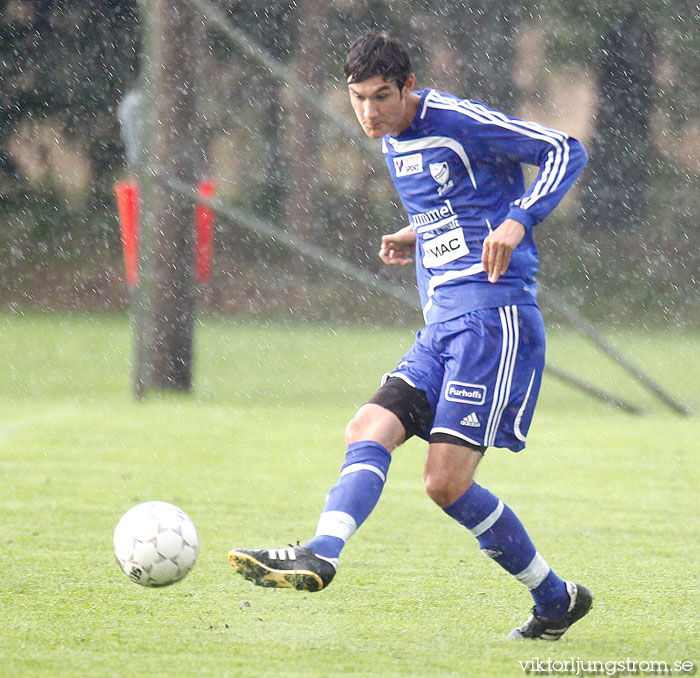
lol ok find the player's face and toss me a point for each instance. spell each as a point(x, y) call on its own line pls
point(380, 106)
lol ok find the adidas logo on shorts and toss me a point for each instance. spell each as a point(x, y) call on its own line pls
point(470, 420)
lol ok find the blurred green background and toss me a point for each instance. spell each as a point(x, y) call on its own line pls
point(622, 76)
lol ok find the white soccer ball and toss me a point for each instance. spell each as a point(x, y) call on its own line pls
point(155, 543)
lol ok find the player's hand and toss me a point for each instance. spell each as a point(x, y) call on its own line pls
point(498, 246)
point(398, 247)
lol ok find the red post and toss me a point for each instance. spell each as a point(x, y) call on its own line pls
point(204, 231)
point(127, 193)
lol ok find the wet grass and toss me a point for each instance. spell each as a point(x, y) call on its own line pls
point(610, 500)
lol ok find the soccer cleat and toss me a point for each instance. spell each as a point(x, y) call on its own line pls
point(553, 629)
point(296, 567)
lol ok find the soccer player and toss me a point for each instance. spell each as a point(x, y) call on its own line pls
point(471, 379)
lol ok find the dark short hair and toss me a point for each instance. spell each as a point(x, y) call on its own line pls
point(377, 54)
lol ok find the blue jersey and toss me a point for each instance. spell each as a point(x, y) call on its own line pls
point(457, 170)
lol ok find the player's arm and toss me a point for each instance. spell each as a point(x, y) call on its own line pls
point(498, 246)
point(558, 156)
point(397, 248)
point(560, 159)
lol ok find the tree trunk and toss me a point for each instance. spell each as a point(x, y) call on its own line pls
point(303, 132)
point(481, 36)
point(165, 294)
point(617, 179)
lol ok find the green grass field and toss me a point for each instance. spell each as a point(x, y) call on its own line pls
point(610, 499)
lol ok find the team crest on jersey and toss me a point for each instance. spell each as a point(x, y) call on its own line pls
point(406, 165)
point(440, 171)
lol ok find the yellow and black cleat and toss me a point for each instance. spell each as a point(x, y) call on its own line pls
point(295, 567)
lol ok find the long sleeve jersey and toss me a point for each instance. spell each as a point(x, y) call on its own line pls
point(457, 170)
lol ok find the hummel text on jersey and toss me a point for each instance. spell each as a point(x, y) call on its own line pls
point(472, 394)
point(432, 216)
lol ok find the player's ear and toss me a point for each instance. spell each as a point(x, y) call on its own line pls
point(409, 84)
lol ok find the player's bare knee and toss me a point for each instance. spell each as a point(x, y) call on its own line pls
point(362, 426)
point(440, 488)
point(353, 431)
point(373, 422)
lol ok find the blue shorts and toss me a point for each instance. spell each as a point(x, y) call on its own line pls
point(481, 373)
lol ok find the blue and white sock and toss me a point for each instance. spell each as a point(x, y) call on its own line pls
point(352, 498)
point(501, 536)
